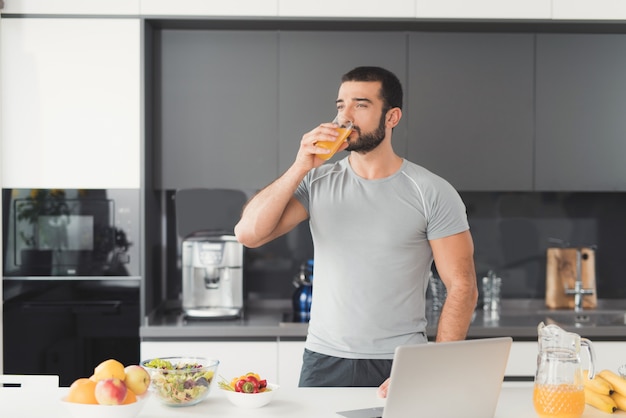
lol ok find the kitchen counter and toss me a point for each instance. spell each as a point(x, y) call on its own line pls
point(515, 402)
point(269, 319)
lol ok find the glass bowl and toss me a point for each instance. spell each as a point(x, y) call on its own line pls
point(622, 371)
point(181, 381)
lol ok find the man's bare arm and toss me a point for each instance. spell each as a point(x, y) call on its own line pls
point(272, 212)
point(454, 258)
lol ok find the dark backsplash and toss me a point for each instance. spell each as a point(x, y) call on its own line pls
point(511, 232)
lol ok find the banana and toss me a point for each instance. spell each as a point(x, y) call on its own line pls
point(620, 401)
point(597, 384)
point(618, 383)
point(602, 402)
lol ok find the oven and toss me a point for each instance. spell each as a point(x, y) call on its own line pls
point(71, 233)
point(71, 280)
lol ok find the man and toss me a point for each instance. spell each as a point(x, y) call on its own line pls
point(377, 222)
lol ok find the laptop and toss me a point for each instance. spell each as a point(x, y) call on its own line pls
point(451, 379)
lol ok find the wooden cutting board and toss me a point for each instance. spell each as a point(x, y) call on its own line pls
point(561, 272)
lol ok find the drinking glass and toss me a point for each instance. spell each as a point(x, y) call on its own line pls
point(438, 292)
point(344, 128)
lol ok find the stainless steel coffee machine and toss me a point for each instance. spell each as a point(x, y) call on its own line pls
point(212, 276)
point(212, 259)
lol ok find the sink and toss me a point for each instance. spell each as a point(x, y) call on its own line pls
point(525, 313)
point(585, 318)
point(564, 318)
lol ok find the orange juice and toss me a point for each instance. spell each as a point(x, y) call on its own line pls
point(333, 146)
point(559, 401)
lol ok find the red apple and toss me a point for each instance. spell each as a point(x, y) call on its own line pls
point(110, 391)
point(137, 379)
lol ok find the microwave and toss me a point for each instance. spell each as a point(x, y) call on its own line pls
point(71, 233)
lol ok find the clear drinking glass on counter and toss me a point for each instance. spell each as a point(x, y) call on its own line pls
point(438, 292)
point(491, 298)
point(491, 292)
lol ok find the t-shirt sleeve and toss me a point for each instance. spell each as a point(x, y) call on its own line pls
point(302, 192)
point(447, 214)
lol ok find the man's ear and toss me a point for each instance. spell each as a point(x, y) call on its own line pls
point(393, 116)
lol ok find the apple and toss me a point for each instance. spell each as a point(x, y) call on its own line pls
point(110, 391)
point(137, 379)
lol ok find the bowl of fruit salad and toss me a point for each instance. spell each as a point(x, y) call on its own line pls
point(181, 381)
point(249, 390)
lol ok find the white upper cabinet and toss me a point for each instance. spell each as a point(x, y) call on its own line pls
point(347, 8)
point(589, 9)
point(72, 7)
point(71, 106)
point(484, 9)
point(209, 8)
point(405, 9)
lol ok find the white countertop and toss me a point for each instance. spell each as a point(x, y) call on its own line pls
point(515, 402)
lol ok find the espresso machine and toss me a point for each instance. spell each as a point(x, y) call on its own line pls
point(212, 270)
point(212, 258)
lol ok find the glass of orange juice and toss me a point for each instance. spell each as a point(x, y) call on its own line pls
point(345, 129)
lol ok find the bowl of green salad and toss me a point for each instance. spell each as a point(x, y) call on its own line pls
point(181, 381)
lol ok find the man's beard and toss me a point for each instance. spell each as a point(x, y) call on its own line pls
point(368, 141)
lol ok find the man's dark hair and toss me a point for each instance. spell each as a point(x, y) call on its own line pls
point(391, 90)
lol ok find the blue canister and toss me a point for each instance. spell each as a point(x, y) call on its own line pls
point(303, 294)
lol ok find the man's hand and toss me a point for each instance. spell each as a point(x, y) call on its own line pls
point(307, 154)
point(382, 389)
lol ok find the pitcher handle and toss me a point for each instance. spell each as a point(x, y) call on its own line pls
point(592, 357)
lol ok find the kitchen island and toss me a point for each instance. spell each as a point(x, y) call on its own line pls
point(515, 402)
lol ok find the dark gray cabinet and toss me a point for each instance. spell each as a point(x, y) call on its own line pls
point(217, 121)
point(311, 66)
point(470, 114)
point(235, 104)
point(581, 112)
point(486, 111)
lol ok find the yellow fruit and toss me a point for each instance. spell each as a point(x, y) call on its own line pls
point(602, 402)
point(620, 400)
point(108, 369)
point(618, 383)
point(82, 390)
point(130, 397)
point(137, 379)
point(256, 376)
point(597, 384)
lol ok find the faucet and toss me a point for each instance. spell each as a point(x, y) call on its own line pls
point(578, 291)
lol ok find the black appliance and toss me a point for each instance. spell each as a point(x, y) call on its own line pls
point(68, 327)
point(71, 280)
point(71, 233)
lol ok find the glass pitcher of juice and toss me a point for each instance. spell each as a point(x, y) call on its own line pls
point(559, 388)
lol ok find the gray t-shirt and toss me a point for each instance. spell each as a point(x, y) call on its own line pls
point(372, 256)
